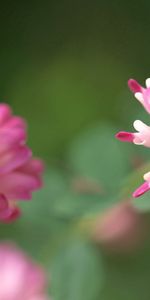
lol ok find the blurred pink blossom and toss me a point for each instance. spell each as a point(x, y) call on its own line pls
point(20, 278)
point(20, 174)
point(120, 228)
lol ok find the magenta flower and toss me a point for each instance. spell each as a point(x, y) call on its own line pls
point(141, 94)
point(142, 137)
point(20, 278)
point(20, 174)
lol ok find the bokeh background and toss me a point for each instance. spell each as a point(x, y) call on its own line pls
point(64, 67)
point(65, 64)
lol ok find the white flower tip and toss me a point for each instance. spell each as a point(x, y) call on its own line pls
point(147, 82)
point(147, 176)
point(139, 97)
point(139, 125)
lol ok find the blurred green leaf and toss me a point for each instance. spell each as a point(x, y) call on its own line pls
point(73, 205)
point(96, 154)
point(127, 276)
point(142, 203)
point(77, 273)
point(55, 186)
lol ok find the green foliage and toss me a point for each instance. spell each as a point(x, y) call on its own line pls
point(75, 206)
point(143, 203)
point(77, 273)
point(97, 155)
point(127, 277)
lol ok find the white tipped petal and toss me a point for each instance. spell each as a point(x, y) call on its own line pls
point(147, 82)
point(139, 125)
point(147, 176)
point(139, 97)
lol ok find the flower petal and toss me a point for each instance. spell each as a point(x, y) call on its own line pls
point(9, 139)
point(13, 215)
point(125, 136)
point(14, 159)
point(17, 185)
point(5, 113)
point(141, 190)
point(34, 166)
point(15, 122)
point(134, 86)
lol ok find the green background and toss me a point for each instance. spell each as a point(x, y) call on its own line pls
point(65, 64)
point(64, 67)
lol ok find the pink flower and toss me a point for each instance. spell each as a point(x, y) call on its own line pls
point(20, 278)
point(145, 187)
point(123, 235)
point(142, 137)
point(20, 174)
point(141, 94)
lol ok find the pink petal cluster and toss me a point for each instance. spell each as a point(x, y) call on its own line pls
point(20, 278)
point(141, 137)
point(141, 94)
point(142, 134)
point(20, 174)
